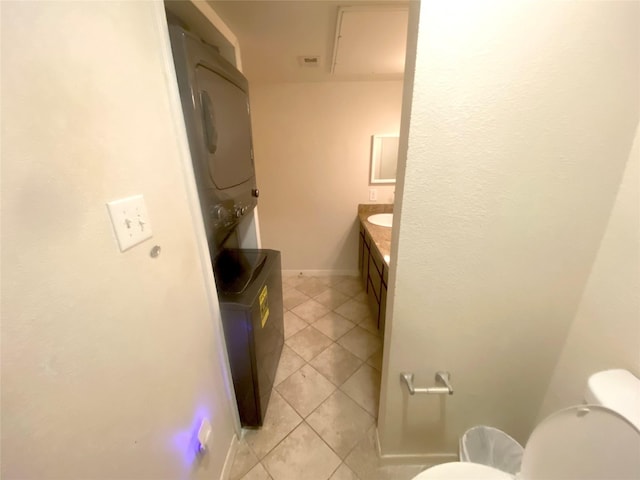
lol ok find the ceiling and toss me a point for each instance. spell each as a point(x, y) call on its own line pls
point(275, 36)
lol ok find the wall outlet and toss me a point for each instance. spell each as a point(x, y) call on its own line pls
point(204, 433)
point(373, 195)
point(130, 221)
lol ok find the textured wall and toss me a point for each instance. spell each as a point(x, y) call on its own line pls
point(313, 145)
point(606, 330)
point(521, 121)
point(108, 358)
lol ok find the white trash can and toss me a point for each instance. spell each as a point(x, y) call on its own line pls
point(492, 447)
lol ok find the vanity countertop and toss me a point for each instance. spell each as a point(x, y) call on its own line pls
point(381, 236)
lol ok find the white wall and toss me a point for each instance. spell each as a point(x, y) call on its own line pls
point(521, 121)
point(312, 146)
point(109, 359)
point(606, 330)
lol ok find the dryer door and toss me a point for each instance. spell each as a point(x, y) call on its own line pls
point(227, 129)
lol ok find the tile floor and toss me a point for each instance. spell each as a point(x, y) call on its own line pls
point(320, 423)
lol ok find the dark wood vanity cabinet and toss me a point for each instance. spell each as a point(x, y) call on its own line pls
point(363, 255)
point(374, 273)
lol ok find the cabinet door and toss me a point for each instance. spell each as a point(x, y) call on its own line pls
point(360, 249)
point(374, 275)
point(374, 304)
point(383, 309)
point(365, 260)
point(385, 273)
point(377, 259)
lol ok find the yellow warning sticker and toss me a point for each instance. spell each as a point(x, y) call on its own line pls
point(264, 306)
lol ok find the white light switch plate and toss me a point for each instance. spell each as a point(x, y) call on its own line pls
point(130, 221)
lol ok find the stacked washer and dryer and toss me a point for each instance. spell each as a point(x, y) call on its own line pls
point(215, 104)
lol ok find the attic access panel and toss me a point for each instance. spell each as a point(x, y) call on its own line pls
point(370, 40)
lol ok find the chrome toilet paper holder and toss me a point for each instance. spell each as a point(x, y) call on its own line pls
point(443, 378)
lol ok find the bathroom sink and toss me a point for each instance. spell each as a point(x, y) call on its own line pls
point(381, 219)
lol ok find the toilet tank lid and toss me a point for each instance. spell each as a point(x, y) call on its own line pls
point(618, 390)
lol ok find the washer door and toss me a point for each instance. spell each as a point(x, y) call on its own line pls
point(583, 442)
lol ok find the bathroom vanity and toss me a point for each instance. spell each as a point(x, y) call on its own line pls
point(374, 246)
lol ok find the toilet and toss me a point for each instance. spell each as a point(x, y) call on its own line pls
point(597, 440)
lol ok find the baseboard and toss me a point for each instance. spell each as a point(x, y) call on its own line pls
point(427, 459)
point(319, 273)
point(231, 455)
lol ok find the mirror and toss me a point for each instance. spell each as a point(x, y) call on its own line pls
point(384, 159)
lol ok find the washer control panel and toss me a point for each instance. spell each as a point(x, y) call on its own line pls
point(227, 214)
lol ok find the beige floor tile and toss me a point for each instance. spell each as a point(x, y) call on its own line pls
point(332, 280)
point(292, 280)
point(257, 473)
point(340, 422)
point(344, 473)
point(302, 456)
point(281, 419)
point(291, 297)
point(375, 360)
point(336, 363)
point(400, 472)
point(360, 342)
point(305, 390)
point(308, 342)
point(328, 280)
point(310, 310)
point(290, 362)
point(364, 388)
point(244, 461)
point(363, 459)
point(331, 298)
point(312, 286)
point(292, 324)
point(333, 325)
point(370, 324)
point(353, 310)
point(361, 297)
point(350, 286)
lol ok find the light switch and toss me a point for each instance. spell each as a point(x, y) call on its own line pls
point(130, 221)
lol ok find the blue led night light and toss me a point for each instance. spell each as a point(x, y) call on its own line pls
point(186, 442)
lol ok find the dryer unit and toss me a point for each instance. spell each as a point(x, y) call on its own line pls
point(215, 104)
